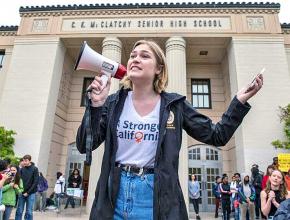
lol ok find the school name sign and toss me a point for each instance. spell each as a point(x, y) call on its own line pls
point(148, 24)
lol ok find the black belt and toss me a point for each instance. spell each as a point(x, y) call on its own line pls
point(136, 170)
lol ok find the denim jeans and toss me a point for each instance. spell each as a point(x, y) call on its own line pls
point(135, 197)
point(7, 212)
point(237, 213)
point(29, 200)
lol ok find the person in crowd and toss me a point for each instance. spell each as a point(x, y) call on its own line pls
point(21, 164)
point(270, 169)
point(130, 150)
point(234, 190)
point(275, 163)
point(13, 186)
point(217, 194)
point(8, 161)
point(287, 179)
point(59, 189)
point(256, 181)
point(274, 193)
point(74, 181)
point(233, 186)
point(246, 197)
point(42, 187)
point(4, 175)
point(194, 194)
point(29, 175)
point(226, 198)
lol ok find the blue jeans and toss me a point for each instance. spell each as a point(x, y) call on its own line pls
point(135, 197)
point(237, 213)
point(29, 200)
point(7, 212)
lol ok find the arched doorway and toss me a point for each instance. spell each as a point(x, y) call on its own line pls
point(206, 163)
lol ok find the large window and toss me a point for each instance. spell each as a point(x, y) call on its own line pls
point(86, 83)
point(200, 90)
point(2, 53)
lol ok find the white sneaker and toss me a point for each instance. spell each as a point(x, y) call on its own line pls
point(2, 208)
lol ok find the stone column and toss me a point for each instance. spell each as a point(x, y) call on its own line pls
point(176, 61)
point(29, 97)
point(246, 57)
point(112, 48)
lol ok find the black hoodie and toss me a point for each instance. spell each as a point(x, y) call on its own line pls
point(29, 176)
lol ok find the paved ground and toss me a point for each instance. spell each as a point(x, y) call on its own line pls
point(71, 214)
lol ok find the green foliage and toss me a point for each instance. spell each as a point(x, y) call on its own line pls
point(285, 118)
point(6, 145)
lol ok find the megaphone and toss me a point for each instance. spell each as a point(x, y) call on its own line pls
point(89, 59)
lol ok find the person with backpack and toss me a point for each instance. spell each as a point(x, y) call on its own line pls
point(42, 187)
point(29, 174)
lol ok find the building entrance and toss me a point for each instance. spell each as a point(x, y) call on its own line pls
point(205, 163)
point(75, 160)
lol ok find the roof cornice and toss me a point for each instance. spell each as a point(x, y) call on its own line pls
point(8, 30)
point(285, 28)
point(131, 6)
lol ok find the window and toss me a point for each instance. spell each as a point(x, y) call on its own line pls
point(86, 83)
point(211, 154)
point(194, 154)
point(200, 89)
point(2, 53)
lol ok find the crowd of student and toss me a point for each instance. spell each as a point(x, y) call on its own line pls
point(23, 186)
point(249, 197)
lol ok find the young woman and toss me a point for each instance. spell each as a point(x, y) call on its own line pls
point(74, 181)
point(194, 194)
point(142, 128)
point(270, 169)
point(13, 186)
point(274, 193)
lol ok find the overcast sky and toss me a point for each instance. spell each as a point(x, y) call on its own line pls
point(9, 11)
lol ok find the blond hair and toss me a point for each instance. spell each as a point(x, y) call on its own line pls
point(282, 187)
point(161, 80)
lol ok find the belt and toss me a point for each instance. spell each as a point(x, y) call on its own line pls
point(136, 170)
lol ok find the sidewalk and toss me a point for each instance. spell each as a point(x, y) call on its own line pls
point(70, 214)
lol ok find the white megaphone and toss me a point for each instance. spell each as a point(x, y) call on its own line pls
point(91, 60)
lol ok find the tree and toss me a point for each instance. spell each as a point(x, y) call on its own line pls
point(285, 118)
point(6, 145)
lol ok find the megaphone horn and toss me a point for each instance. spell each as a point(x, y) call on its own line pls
point(89, 59)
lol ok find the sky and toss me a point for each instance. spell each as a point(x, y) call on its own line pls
point(9, 11)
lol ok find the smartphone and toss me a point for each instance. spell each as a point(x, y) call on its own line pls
point(252, 84)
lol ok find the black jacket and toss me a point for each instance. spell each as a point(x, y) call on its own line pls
point(168, 201)
point(29, 176)
point(72, 180)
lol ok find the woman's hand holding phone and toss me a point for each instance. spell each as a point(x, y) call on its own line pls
point(252, 88)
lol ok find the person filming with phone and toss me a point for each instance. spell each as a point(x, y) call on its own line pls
point(142, 126)
point(13, 186)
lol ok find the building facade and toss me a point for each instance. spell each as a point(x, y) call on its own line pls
point(212, 50)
